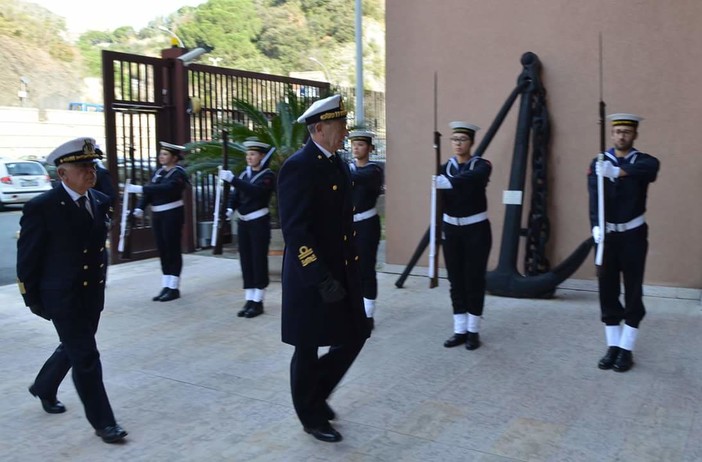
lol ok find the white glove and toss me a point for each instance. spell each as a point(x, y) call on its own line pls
point(597, 234)
point(139, 213)
point(229, 213)
point(226, 175)
point(443, 183)
point(134, 188)
point(606, 169)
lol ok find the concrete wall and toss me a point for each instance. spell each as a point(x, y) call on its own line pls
point(34, 133)
point(652, 64)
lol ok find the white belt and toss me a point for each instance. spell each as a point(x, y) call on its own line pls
point(365, 215)
point(621, 227)
point(465, 221)
point(253, 215)
point(169, 206)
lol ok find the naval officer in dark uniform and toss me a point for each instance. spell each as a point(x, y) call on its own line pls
point(627, 173)
point(61, 268)
point(252, 193)
point(165, 194)
point(368, 181)
point(322, 298)
point(467, 236)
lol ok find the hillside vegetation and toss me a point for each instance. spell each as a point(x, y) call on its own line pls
point(271, 36)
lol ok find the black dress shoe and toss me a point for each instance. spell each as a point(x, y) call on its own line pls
point(255, 309)
point(161, 294)
point(608, 360)
point(472, 341)
point(51, 406)
point(111, 434)
point(171, 294)
point(455, 340)
point(247, 306)
point(624, 362)
point(324, 432)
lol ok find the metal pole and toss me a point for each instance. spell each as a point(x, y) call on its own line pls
point(360, 116)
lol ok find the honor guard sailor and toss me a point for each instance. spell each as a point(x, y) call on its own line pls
point(252, 193)
point(61, 269)
point(627, 173)
point(368, 182)
point(165, 195)
point(467, 236)
point(322, 297)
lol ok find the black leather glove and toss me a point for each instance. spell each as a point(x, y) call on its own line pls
point(39, 311)
point(331, 290)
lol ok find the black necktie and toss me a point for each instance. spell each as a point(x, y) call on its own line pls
point(82, 206)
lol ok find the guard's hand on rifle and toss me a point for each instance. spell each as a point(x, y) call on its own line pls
point(607, 169)
point(134, 188)
point(442, 182)
point(597, 234)
point(226, 175)
point(138, 213)
point(229, 214)
point(331, 290)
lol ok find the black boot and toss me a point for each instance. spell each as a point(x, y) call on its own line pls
point(246, 307)
point(624, 362)
point(255, 310)
point(455, 340)
point(472, 341)
point(171, 294)
point(161, 294)
point(607, 361)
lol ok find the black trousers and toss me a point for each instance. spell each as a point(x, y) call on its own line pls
point(624, 257)
point(78, 351)
point(313, 378)
point(367, 240)
point(254, 240)
point(168, 230)
point(466, 252)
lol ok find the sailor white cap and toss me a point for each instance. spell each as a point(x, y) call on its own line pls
point(77, 150)
point(324, 109)
point(622, 118)
point(460, 126)
point(255, 145)
point(173, 148)
point(363, 135)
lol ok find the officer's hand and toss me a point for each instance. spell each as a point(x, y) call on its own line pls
point(331, 290)
point(597, 234)
point(230, 212)
point(606, 169)
point(226, 175)
point(442, 182)
point(135, 188)
point(139, 213)
point(39, 311)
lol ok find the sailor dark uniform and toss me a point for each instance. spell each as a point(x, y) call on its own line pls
point(467, 236)
point(367, 186)
point(251, 196)
point(626, 236)
point(317, 221)
point(165, 195)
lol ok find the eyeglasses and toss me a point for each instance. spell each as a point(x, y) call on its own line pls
point(460, 140)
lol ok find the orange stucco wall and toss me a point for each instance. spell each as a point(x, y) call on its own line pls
point(652, 67)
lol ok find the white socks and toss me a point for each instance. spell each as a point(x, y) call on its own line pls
point(170, 281)
point(258, 294)
point(460, 323)
point(249, 293)
point(628, 339)
point(165, 280)
point(369, 305)
point(613, 334)
point(473, 323)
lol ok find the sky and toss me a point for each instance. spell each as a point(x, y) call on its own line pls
point(82, 15)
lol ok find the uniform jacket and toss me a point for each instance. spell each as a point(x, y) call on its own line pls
point(625, 197)
point(252, 191)
point(469, 180)
point(316, 213)
point(61, 256)
point(367, 185)
point(166, 186)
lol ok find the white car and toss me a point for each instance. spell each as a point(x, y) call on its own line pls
point(21, 180)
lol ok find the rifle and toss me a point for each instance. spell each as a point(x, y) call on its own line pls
point(221, 207)
point(599, 254)
point(124, 247)
point(435, 227)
